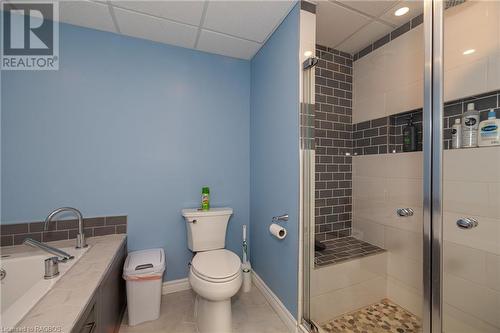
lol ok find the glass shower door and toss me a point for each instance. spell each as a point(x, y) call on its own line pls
point(471, 167)
point(363, 254)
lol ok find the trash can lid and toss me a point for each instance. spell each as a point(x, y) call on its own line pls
point(144, 262)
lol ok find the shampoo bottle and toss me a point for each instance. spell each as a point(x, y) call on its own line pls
point(456, 135)
point(410, 136)
point(470, 125)
point(489, 134)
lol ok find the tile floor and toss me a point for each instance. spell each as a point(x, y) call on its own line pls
point(382, 317)
point(251, 314)
point(343, 249)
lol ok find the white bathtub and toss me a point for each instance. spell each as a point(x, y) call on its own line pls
point(24, 284)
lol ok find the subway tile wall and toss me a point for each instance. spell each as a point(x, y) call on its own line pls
point(333, 143)
point(455, 109)
point(384, 135)
point(14, 234)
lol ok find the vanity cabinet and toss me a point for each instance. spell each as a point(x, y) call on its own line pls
point(104, 312)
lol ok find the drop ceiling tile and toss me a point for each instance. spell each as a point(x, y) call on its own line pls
point(335, 23)
point(416, 8)
point(371, 7)
point(189, 12)
point(252, 20)
point(214, 42)
point(364, 37)
point(86, 14)
point(159, 30)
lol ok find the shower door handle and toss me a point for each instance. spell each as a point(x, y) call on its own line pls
point(467, 223)
point(404, 212)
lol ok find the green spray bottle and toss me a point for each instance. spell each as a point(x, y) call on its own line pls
point(205, 198)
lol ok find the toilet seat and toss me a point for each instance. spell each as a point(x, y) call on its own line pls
point(216, 266)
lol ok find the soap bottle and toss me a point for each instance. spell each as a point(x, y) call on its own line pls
point(470, 126)
point(456, 134)
point(489, 133)
point(410, 136)
point(205, 198)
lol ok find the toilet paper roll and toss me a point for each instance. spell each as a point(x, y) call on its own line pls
point(277, 231)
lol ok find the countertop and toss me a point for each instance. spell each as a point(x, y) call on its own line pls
point(61, 307)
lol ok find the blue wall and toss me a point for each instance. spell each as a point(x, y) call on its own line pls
point(274, 159)
point(128, 126)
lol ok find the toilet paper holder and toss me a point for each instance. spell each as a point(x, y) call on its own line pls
point(282, 218)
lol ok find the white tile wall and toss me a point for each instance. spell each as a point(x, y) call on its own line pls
point(457, 321)
point(472, 298)
point(390, 79)
point(473, 25)
point(471, 257)
point(381, 184)
point(348, 286)
point(334, 277)
point(401, 293)
point(493, 71)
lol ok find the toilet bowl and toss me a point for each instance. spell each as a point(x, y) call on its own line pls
point(215, 277)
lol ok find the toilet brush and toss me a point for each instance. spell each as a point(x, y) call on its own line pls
point(245, 266)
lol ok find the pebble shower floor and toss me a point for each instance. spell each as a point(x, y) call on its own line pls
point(382, 317)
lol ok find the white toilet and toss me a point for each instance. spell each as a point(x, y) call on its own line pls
point(215, 273)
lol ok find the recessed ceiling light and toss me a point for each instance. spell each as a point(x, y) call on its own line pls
point(308, 53)
point(469, 51)
point(401, 11)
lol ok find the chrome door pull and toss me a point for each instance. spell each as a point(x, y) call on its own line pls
point(467, 223)
point(283, 217)
point(404, 212)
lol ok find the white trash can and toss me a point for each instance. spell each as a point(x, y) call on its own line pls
point(143, 271)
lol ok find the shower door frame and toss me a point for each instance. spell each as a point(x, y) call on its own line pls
point(433, 110)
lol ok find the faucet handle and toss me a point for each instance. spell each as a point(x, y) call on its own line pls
point(80, 241)
point(51, 268)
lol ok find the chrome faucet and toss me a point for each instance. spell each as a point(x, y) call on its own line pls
point(80, 237)
point(63, 256)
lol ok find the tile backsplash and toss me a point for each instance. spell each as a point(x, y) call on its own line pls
point(14, 234)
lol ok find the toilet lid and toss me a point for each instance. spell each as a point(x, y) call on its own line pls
point(216, 264)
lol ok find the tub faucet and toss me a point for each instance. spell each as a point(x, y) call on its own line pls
point(63, 256)
point(80, 237)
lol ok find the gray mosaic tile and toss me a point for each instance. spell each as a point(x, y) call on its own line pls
point(343, 249)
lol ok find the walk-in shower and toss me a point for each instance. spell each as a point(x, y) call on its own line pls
point(401, 229)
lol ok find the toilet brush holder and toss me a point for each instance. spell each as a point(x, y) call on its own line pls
point(247, 277)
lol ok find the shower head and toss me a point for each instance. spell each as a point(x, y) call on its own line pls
point(310, 63)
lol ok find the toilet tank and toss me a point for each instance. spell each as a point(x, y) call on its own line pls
point(206, 230)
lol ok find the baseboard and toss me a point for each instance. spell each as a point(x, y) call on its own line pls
point(275, 303)
point(173, 286)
